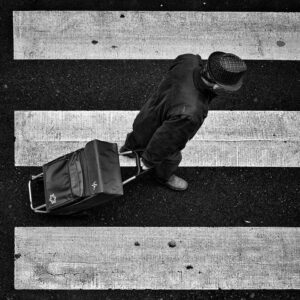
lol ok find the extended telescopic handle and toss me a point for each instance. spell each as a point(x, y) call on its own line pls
point(140, 170)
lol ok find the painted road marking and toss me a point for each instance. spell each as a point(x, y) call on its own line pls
point(227, 138)
point(157, 258)
point(154, 34)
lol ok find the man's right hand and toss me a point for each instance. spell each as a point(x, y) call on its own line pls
point(144, 165)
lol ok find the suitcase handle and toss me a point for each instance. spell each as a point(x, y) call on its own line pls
point(140, 170)
point(39, 209)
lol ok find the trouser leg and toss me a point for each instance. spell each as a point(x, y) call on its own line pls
point(167, 168)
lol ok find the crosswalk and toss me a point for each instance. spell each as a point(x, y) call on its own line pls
point(227, 258)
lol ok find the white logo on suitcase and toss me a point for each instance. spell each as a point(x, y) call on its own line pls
point(94, 185)
point(52, 198)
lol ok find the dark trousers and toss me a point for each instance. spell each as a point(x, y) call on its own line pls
point(166, 168)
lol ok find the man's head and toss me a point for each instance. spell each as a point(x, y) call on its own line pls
point(224, 71)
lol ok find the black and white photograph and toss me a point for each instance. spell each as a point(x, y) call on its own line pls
point(149, 149)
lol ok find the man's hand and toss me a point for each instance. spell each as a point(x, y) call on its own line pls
point(144, 165)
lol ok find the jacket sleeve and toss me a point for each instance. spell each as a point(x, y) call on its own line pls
point(170, 137)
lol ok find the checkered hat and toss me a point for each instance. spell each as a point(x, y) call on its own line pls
point(226, 69)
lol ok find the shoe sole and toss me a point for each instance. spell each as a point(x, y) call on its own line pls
point(170, 186)
point(175, 189)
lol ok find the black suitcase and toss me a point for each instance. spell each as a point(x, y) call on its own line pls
point(82, 179)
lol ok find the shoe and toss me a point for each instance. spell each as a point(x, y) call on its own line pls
point(174, 183)
point(124, 149)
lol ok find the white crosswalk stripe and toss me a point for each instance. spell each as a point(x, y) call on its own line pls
point(227, 138)
point(157, 258)
point(154, 35)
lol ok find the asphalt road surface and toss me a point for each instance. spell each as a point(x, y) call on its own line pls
point(216, 196)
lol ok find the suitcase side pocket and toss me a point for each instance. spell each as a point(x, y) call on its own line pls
point(76, 175)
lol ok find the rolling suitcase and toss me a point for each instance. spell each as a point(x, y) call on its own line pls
point(82, 179)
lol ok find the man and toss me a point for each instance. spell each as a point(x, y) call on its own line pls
point(175, 112)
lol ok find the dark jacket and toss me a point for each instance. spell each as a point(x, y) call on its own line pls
point(175, 112)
